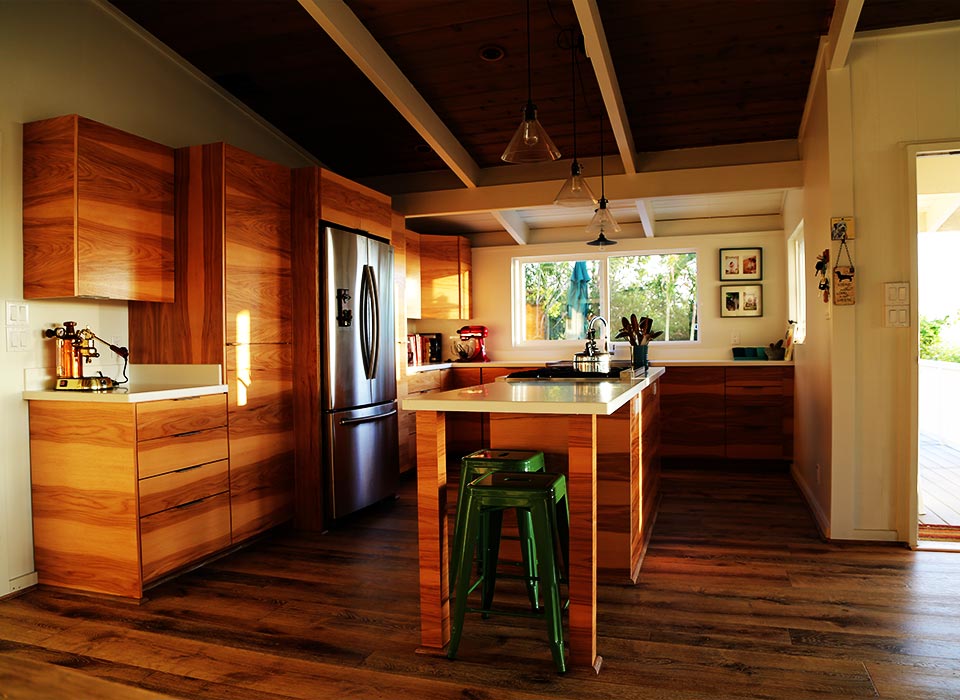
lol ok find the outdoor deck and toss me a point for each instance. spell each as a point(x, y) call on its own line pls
point(939, 484)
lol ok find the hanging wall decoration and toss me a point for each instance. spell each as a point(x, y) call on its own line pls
point(842, 228)
point(844, 289)
point(823, 261)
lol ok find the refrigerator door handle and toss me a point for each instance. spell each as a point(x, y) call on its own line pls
point(370, 322)
point(367, 419)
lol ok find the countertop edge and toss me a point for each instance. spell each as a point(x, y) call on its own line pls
point(159, 393)
point(451, 401)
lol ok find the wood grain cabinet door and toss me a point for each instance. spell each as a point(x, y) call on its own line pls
point(261, 439)
point(692, 417)
point(257, 249)
point(98, 207)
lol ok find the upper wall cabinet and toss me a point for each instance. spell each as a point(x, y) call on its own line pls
point(445, 277)
point(97, 212)
point(412, 291)
point(348, 204)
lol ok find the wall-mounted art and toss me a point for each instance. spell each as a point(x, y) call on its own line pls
point(740, 264)
point(738, 301)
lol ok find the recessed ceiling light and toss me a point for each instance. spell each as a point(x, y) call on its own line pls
point(492, 53)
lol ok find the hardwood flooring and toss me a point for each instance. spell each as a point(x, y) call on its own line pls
point(737, 598)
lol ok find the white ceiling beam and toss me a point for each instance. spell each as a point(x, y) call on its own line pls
point(843, 24)
point(513, 224)
point(647, 217)
point(358, 44)
point(526, 195)
point(595, 41)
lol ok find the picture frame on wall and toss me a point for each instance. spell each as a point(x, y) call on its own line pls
point(737, 264)
point(741, 301)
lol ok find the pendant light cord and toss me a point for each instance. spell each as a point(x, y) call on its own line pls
point(529, 69)
point(573, 81)
point(603, 197)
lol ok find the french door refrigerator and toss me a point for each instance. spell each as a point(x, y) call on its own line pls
point(358, 370)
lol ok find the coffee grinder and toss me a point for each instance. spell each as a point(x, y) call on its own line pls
point(475, 335)
point(74, 349)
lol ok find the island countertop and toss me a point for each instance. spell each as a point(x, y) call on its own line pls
point(565, 397)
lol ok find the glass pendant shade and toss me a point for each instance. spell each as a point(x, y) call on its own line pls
point(575, 191)
point(603, 220)
point(530, 143)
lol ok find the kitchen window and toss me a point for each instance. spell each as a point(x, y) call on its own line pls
point(556, 296)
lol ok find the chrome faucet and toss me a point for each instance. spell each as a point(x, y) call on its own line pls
point(591, 329)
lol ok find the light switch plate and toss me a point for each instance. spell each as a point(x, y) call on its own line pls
point(16, 339)
point(896, 304)
point(17, 313)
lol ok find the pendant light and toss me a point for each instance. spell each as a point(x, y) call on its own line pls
point(575, 191)
point(530, 143)
point(602, 221)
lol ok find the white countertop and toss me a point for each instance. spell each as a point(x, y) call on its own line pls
point(128, 393)
point(147, 383)
point(413, 369)
point(535, 396)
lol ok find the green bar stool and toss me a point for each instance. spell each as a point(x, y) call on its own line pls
point(483, 462)
point(544, 497)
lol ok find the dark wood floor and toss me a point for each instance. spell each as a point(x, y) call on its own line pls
point(738, 598)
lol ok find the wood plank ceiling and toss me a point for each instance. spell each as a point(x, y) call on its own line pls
point(690, 73)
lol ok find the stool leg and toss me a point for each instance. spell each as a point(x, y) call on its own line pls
point(528, 548)
point(548, 577)
point(465, 559)
point(490, 556)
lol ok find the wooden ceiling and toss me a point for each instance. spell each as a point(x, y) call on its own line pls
point(688, 73)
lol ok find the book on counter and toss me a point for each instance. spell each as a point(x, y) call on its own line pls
point(423, 348)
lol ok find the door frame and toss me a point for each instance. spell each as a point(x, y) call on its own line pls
point(913, 439)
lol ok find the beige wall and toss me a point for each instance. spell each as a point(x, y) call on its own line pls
point(60, 58)
point(855, 410)
point(492, 293)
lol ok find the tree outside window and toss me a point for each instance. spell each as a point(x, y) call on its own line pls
point(560, 296)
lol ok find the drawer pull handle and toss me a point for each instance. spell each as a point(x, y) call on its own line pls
point(188, 434)
point(187, 469)
point(189, 503)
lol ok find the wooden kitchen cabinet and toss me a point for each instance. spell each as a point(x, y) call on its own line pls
point(412, 298)
point(445, 277)
point(416, 383)
point(98, 212)
point(261, 442)
point(127, 493)
point(727, 413)
point(233, 308)
point(350, 204)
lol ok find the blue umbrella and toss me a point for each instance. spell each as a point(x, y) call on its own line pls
point(578, 301)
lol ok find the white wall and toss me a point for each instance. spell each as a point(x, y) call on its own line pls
point(78, 57)
point(901, 88)
point(492, 288)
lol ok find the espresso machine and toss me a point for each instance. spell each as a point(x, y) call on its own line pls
point(471, 348)
point(74, 348)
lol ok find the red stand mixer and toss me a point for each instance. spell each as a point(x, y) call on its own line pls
point(472, 349)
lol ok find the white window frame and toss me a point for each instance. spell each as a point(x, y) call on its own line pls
point(797, 283)
point(518, 307)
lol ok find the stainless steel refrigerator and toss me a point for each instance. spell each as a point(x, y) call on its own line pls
point(358, 370)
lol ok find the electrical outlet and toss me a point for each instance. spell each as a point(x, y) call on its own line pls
point(735, 338)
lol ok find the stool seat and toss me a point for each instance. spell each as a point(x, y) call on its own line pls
point(541, 496)
point(483, 462)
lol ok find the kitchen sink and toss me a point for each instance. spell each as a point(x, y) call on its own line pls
point(566, 372)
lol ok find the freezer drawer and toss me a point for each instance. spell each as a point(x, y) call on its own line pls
point(362, 457)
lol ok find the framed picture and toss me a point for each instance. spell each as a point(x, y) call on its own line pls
point(741, 300)
point(741, 264)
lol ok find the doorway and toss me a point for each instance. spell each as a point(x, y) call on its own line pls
point(938, 373)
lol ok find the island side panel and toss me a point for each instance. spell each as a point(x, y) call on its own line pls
point(432, 530)
point(649, 465)
point(582, 495)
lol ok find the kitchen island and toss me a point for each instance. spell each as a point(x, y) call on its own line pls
point(602, 434)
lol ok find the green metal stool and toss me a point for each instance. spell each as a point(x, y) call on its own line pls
point(483, 462)
point(544, 497)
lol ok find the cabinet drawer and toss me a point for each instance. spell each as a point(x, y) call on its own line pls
point(162, 418)
point(168, 454)
point(178, 536)
point(754, 376)
point(183, 486)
